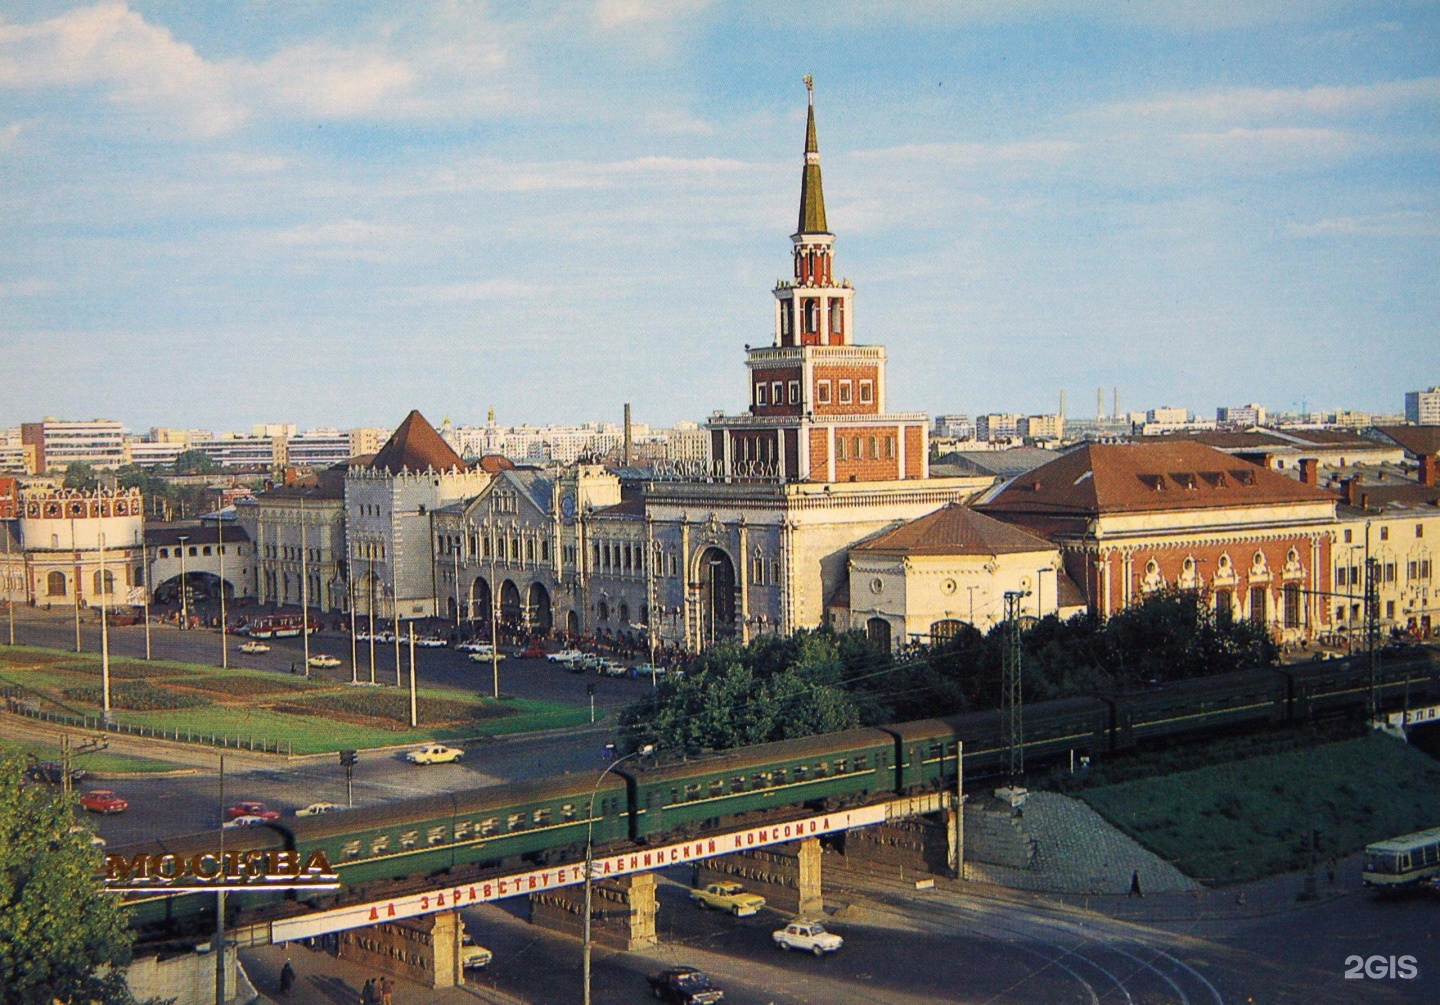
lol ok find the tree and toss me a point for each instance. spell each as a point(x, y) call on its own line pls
point(80, 475)
point(59, 935)
point(195, 462)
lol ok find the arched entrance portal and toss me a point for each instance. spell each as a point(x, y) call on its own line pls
point(878, 630)
point(717, 597)
point(537, 606)
point(510, 612)
point(479, 607)
point(203, 586)
point(572, 623)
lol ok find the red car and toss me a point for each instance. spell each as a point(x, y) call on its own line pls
point(251, 810)
point(534, 651)
point(103, 801)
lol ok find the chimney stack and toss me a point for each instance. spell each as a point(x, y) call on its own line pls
point(1430, 469)
point(1309, 471)
point(628, 441)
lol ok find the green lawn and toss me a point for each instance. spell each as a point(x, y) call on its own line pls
point(189, 702)
point(102, 760)
point(1247, 819)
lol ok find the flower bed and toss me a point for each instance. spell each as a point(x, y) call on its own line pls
point(136, 696)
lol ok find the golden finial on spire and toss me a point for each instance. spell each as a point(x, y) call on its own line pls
point(810, 87)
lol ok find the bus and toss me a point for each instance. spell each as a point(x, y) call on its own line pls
point(278, 626)
point(1409, 858)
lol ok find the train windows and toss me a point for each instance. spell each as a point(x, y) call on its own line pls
point(462, 830)
point(936, 751)
point(567, 812)
point(435, 835)
point(380, 845)
point(821, 769)
point(761, 780)
point(489, 826)
point(737, 784)
point(542, 816)
point(841, 766)
point(717, 787)
point(692, 791)
point(515, 822)
point(777, 777)
point(862, 763)
point(350, 849)
point(801, 773)
point(674, 795)
point(410, 839)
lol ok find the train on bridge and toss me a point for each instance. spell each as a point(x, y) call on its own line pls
point(545, 821)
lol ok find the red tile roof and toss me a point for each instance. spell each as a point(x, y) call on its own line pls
point(1417, 440)
point(415, 446)
point(1143, 477)
point(956, 530)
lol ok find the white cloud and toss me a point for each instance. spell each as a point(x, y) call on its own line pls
point(335, 233)
point(1405, 223)
point(323, 82)
point(1253, 104)
point(9, 134)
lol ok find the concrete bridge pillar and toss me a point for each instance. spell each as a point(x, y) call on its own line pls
point(425, 950)
point(622, 911)
point(788, 875)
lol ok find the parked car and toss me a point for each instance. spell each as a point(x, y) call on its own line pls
point(807, 935)
point(728, 896)
point(470, 647)
point(434, 753)
point(684, 986)
point(613, 668)
point(315, 809)
point(103, 801)
point(254, 647)
point(472, 956)
point(486, 655)
point(251, 809)
point(647, 670)
point(565, 656)
point(323, 661)
point(52, 772)
point(430, 642)
point(534, 651)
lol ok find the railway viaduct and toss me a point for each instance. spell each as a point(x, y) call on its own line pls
point(416, 934)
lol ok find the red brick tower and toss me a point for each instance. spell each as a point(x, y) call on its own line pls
point(817, 400)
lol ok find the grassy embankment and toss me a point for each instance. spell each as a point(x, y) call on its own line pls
point(1246, 819)
point(313, 714)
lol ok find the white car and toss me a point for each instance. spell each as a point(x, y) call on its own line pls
point(315, 809)
point(807, 935)
point(613, 668)
point(487, 655)
point(430, 642)
point(254, 647)
point(434, 753)
point(472, 956)
point(565, 656)
point(324, 661)
point(246, 821)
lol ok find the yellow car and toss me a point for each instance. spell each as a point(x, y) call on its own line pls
point(730, 897)
point(434, 753)
point(324, 661)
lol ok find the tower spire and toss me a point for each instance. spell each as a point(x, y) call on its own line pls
point(812, 196)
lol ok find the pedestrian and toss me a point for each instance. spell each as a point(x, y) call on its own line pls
point(1135, 890)
point(1330, 870)
point(367, 993)
point(287, 978)
point(387, 991)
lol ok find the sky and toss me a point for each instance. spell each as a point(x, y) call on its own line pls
point(213, 215)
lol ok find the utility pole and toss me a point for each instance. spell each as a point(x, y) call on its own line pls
point(395, 617)
point(494, 623)
point(224, 638)
point(9, 589)
point(370, 613)
point(105, 715)
point(79, 581)
point(184, 586)
point(219, 940)
point(304, 586)
point(1372, 630)
point(147, 573)
point(413, 718)
point(1011, 699)
point(350, 593)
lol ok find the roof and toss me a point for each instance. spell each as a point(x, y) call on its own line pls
point(194, 533)
point(493, 464)
point(955, 530)
point(1145, 477)
point(626, 508)
point(1001, 463)
point(415, 446)
point(1405, 497)
point(1419, 441)
point(328, 484)
point(535, 484)
point(812, 196)
point(1070, 594)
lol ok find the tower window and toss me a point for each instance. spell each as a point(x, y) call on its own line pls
point(859, 448)
point(845, 392)
point(839, 448)
point(812, 315)
point(794, 392)
point(777, 393)
point(762, 394)
point(867, 391)
point(837, 316)
point(822, 392)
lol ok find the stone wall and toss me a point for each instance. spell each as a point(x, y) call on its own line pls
point(425, 950)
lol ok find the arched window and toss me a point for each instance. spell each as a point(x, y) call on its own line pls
point(624, 613)
point(55, 584)
point(1292, 605)
point(943, 631)
point(1224, 608)
point(878, 631)
point(164, 552)
point(105, 585)
point(603, 609)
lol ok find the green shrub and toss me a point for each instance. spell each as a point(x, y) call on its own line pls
point(136, 696)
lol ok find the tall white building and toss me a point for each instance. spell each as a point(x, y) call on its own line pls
point(59, 443)
point(1422, 408)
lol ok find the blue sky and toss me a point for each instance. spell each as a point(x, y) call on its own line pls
point(329, 213)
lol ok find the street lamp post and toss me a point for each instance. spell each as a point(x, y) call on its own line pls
point(106, 716)
point(644, 751)
point(304, 588)
point(714, 605)
point(224, 638)
point(184, 588)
